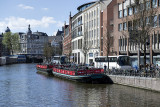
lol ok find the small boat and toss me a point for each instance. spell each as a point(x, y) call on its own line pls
point(44, 69)
point(86, 75)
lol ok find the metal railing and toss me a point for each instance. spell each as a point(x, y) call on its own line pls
point(154, 73)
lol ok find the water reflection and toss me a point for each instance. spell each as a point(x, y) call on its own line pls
point(20, 85)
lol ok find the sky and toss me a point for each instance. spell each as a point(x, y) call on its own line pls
point(43, 15)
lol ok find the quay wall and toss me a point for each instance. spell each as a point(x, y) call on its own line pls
point(138, 82)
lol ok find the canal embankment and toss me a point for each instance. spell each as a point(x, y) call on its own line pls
point(138, 82)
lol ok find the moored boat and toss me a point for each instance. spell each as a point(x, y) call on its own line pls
point(93, 75)
point(44, 69)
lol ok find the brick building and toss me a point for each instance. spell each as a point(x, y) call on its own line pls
point(107, 16)
point(126, 9)
point(67, 39)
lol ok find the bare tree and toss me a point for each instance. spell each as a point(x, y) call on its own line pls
point(141, 24)
point(48, 52)
point(108, 43)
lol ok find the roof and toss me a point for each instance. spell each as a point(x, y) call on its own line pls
point(40, 33)
point(59, 33)
point(86, 4)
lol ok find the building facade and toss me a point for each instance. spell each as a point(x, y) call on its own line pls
point(57, 42)
point(67, 39)
point(126, 9)
point(85, 31)
point(95, 19)
point(32, 43)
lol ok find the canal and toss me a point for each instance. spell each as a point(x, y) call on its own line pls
point(21, 86)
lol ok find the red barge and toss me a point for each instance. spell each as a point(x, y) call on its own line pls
point(92, 75)
point(44, 69)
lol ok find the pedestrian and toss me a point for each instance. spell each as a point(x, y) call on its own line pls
point(105, 67)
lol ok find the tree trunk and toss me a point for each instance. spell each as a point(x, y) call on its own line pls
point(12, 52)
point(108, 61)
point(145, 57)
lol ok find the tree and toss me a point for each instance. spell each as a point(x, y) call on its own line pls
point(48, 52)
point(141, 24)
point(108, 43)
point(11, 41)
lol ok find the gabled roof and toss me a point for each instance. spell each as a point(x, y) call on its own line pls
point(59, 33)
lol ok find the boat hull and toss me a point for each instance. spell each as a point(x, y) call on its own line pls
point(47, 71)
point(92, 78)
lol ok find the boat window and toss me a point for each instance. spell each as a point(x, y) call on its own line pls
point(123, 60)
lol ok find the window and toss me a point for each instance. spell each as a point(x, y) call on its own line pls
point(80, 20)
point(135, 10)
point(120, 14)
point(80, 44)
point(154, 3)
point(135, 24)
point(124, 26)
point(124, 12)
point(148, 5)
point(80, 31)
point(120, 27)
point(124, 9)
point(147, 20)
point(159, 20)
point(154, 21)
point(130, 25)
point(120, 10)
point(130, 11)
point(94, 22)
point(141, 6)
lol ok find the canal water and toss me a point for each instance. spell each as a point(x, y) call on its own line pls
point(21, 86)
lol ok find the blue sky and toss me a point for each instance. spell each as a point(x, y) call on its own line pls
point(43, 15)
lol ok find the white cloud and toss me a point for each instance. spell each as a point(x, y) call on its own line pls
point(25, 7)
point(60, 24)
point(45, 9)
point(18, 23)
point(55, 32)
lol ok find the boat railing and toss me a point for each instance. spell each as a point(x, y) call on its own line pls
point(77, 70)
